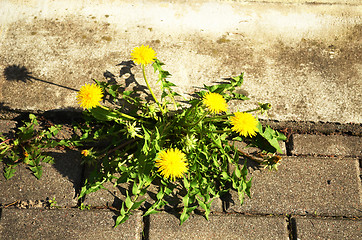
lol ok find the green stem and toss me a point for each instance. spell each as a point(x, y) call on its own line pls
point(192, 109)
point(174, 102)
point(149, 88)
point(219, 117)
point(222, 131)
point(139, 136)
point(124, 115)
point(195, 123)
point(130, 117)
point(230, 114)
point(253, 110)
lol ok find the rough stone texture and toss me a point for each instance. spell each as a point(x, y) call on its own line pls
point(326, 228)
point(327, 128)
point(304, 186)
point(66, 224)
point(6, 126)
point(302, 58)
point(60, 181)
point(166, 226)
point(326, 145)
point(352, 2)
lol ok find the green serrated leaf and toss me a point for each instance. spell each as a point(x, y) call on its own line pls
point(237, 172)
point(241, 197)
point(160, 194)
point(238, 96)
point(32, 118)
point(128, 202)
point(9, 171)
point(190, 209)
point(271, 136)
point(184, 216)
point(147, 179)
point(167, 84)
point(136, 205)
point(135, 189)
point(103, 114)
point(54, 130)
point(122, 210)
point(150, 211)
point(225, 175)
point(185, 200)
point(168, 191)
point(48, 159)
point(194, 183)
point(248, 187)
point(164, 94)
point(37, 171)
point(186, 183)
point(244, 170)
point(202, 204)
point(121, 219)
point(238, 79)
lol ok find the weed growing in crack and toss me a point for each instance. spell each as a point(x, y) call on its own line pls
point(167, 141)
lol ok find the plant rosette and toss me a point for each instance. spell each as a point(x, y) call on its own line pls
point(164, 143)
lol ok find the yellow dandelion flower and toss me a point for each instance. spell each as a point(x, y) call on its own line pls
point(215, 102)
point(244, 123)
point(143, 55)
point(171, 163)
point(85, 152)
point(89, 96)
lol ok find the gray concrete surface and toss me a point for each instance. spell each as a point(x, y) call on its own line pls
point(303, 58)
point(327, 228)
point(7, 125)
point(327, 128)
point(326, 145)
point(166, 226)
point(61, 181)
point(343, 2)
point(305, 186)
point(66, 224)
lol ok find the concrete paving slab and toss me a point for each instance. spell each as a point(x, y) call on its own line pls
point(327, 128)
point(307, 144)
point(7, 127)
point(302, 58)
point(232, 226)
point(305, 186)
point(352, 2)
point(326, 228)
point(66, 224)
point(60, 181)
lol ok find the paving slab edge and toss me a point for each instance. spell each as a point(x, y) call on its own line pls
point(66, 116)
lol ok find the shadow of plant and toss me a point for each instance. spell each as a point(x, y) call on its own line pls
point(17, 73)
point(67, 163)
point(21, 73)
point(130, 84)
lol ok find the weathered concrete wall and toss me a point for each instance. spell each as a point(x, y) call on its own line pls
point(303, 58)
